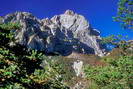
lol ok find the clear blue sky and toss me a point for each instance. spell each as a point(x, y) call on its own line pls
point(98, 12)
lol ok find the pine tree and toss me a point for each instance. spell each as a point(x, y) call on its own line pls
point(125, 13)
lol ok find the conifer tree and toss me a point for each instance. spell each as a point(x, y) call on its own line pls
point(125, 13)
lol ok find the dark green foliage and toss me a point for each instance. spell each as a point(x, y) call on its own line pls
point(112, 39)
point(119, 71)
point(20, 68)
point(10, 26)
point(125, 13)
point(115, 41)
point(116, 75)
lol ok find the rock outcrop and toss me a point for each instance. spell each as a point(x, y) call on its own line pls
point(63, 33)
point(1, 20)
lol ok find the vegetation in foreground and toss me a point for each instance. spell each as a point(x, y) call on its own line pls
point(31, 69)
point(22, 68)
point(125, 14)
point(118, 74)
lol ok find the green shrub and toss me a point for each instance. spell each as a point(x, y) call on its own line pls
point(125, 14)
point(117, 75)
point(20, 68)
point(10, 26)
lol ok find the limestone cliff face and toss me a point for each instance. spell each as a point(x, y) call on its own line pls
point(63, 33)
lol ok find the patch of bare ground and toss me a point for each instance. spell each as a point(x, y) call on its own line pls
point(91, 59)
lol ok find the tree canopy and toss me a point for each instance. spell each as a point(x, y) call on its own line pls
point(125, 13)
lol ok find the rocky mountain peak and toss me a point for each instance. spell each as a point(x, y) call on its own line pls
point(63, 33)
point(46, 21)
point(69, 12)
point(18, 16)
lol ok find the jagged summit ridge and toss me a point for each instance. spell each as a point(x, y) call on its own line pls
point(63, 33)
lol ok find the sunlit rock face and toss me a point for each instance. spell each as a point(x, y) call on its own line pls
point(77, 66)
point(1, 20)
point(63, 33)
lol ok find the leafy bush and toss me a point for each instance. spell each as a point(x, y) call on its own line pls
point(116, 75)
point(125, 13)
point(116, 41)
point(20, 68)
point(10, 26)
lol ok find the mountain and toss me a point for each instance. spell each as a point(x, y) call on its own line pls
point(64, 34)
